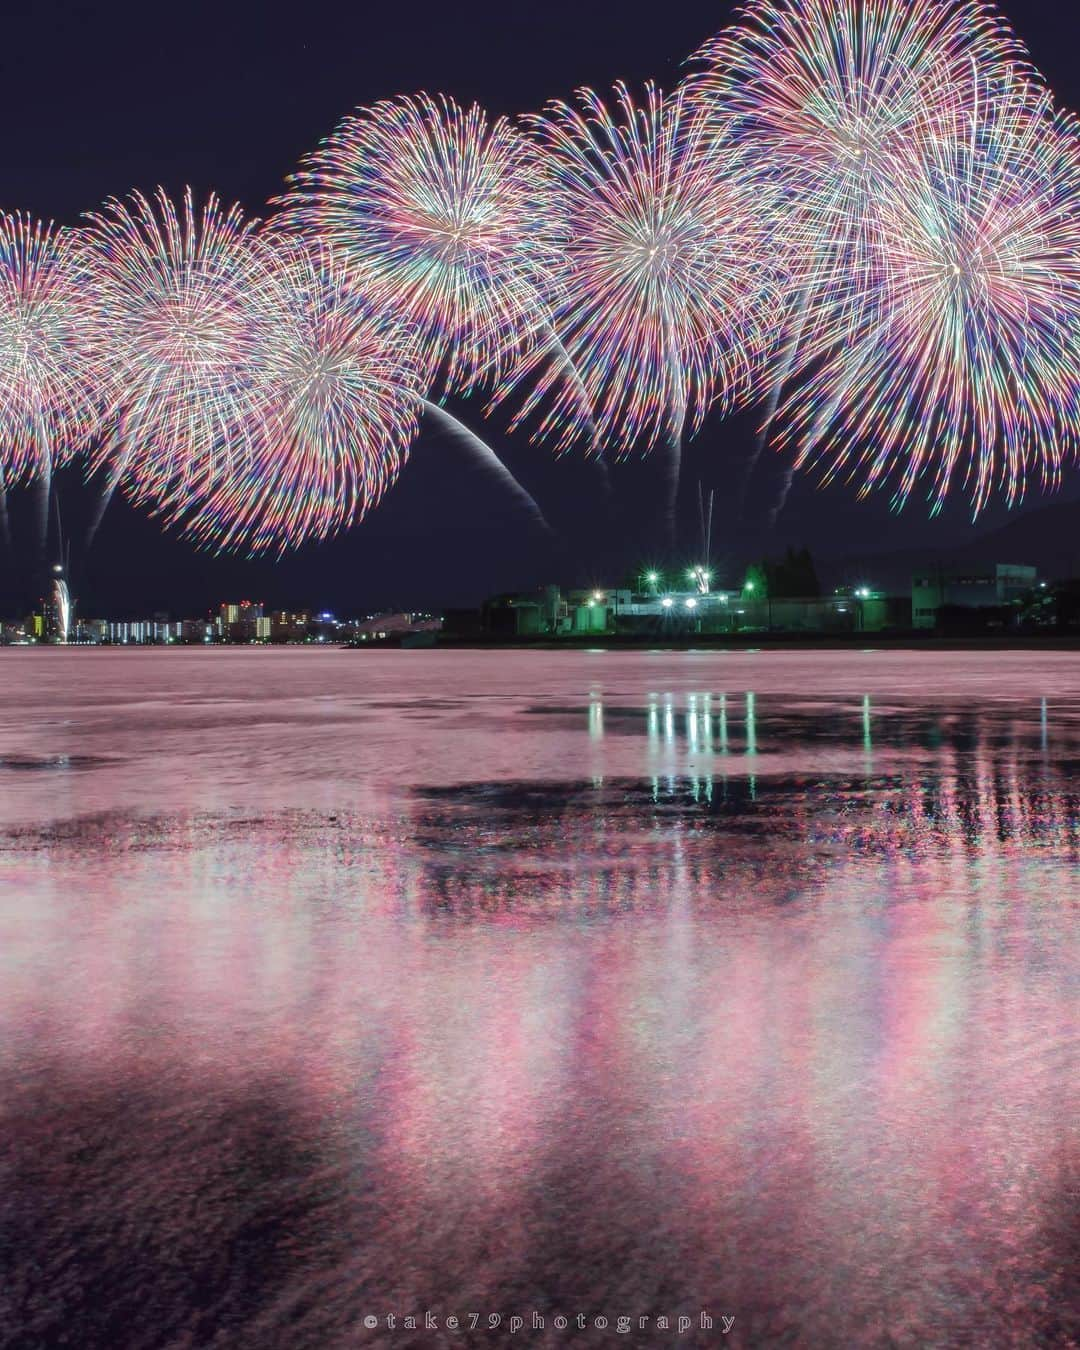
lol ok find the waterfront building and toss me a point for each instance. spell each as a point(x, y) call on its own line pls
point(197, 631)
point(410, 628)
point(956, 593)
point(289, 626)
point(658, 612)
point(238, 622)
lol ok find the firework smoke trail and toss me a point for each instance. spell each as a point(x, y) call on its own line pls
point(667, 293)
point(825, 94)
point(50, 384)
point(113, 475)
point(967, 365)
point(181, 320)
point(487, 457)
point(337, 406)
point(784, 366)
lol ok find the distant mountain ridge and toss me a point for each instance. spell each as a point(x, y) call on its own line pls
point(1047, 538)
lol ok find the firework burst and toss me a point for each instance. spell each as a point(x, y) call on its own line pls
point(967, 363)
point(441, 212)
point(182, 320)
point(826, 93)
point(669, 279)
point(50, 386)
point(339, 399)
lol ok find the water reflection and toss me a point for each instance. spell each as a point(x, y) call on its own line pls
point(781, 1025)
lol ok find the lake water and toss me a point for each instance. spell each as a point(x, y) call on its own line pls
point(345, 985)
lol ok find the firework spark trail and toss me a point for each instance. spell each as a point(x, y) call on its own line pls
point(665, 291)
point(50, 383)
point(181, 320)
point(968, 363)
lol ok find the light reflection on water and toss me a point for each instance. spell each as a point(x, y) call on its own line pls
point(334, 984)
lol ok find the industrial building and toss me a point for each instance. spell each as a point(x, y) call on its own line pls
point(972, 592)
point(550, 612)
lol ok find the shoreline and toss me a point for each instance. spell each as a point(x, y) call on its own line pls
point(745, 642)
point(906, 641)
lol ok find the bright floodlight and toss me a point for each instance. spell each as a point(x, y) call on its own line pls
point(667, 602)
point(691, 603)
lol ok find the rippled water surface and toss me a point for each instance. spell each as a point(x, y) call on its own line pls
point(342, 985)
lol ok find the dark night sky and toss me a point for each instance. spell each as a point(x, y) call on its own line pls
point(98, 99)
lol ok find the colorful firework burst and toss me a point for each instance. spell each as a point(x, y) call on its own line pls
point(826, 94)
point(50, 386)
point(968, 361)
point(338, 405)
point(441, 212)
point(182, 320)
point(671, 271)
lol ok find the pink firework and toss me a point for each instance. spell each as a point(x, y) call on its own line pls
point(338, 404)
point(966, 365)
point(825, 95)
point(670, 279)
point(50, 384)
point(182, 323)
point(441, 212)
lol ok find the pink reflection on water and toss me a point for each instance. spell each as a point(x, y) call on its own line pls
point(788, 1034)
